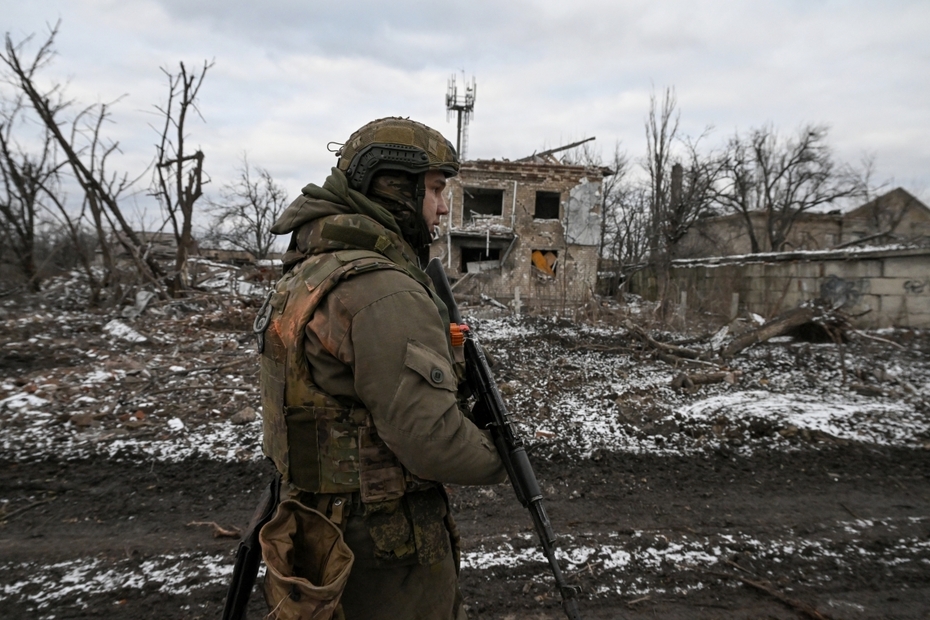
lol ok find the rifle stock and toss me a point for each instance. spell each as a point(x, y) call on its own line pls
point(249, 555)
point(491, 413)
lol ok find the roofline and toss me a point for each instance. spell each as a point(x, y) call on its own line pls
point(482, 164)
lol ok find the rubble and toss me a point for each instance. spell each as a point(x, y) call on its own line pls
point(122, 331)
point(660, 468)
point(243, 416)
point(94, 381)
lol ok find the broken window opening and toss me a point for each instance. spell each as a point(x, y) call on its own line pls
point(475, 260)
point(480, 202)
point(547, 205)
point(545, 262)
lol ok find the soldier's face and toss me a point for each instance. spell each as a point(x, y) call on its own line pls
point(434, 203)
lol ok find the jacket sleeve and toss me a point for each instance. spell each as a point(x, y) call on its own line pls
point(397, 349)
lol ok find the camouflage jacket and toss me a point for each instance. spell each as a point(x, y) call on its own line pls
point(380, 341)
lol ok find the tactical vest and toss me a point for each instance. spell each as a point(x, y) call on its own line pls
point(318, 444)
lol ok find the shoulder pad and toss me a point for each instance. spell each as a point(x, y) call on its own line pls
point(342, 264)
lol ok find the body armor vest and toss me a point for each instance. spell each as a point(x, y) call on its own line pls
point(318, 444)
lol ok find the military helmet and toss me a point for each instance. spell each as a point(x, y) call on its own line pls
point(395, 144)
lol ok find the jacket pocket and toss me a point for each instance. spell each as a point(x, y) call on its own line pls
point(432, 366)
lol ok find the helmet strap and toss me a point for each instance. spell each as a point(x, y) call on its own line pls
point(421, 192)
point(424, 236)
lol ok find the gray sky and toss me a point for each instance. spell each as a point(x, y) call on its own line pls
point(292, 75)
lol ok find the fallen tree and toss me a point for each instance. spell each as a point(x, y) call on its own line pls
point(813, 321)
point(778, 326)
point(812, 318)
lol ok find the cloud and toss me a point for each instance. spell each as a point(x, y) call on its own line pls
point(291, 76)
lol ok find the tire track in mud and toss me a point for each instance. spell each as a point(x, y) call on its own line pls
point(844, 529)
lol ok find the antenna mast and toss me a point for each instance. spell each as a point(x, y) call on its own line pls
point(464, 107)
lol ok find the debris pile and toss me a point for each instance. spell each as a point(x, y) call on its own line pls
point(107, 377)
point(590, 388)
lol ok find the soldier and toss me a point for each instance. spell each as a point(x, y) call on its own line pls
point(359, 389)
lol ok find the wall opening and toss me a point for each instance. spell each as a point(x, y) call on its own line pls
point(483, 202)
point(547, 205)
point(477, 259)
point(545, 262)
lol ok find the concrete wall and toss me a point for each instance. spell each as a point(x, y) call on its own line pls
point(888, 288)
point(515, 234)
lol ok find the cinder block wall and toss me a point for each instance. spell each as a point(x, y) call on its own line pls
point(879, 288)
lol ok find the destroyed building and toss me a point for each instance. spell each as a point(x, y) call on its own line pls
point(896, 217)
point(872, 262)
point(158, 244)
point(524, 233)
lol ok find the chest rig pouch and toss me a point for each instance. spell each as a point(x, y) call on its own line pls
point(318, 444)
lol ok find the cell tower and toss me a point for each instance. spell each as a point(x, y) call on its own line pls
point(465, 107)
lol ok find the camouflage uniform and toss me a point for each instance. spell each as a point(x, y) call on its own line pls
point(360, 402)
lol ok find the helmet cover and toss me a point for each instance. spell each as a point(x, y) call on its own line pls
point(395, 143)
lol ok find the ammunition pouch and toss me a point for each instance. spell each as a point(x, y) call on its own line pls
point(341, 452)
point(308, 564)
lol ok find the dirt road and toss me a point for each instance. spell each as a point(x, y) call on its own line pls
point(716, 504)
point(844, 530)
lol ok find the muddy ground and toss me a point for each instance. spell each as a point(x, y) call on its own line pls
point(826, 527)
point(127, 513)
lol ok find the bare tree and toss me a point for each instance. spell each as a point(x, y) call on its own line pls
point(778, 179)
point(23, 175)
point(178, 175)
point(249, 207)
point(614, 188)
point(691, 194)
point(661, 131)
point(82, 243)
point(629, 225)
point(84, 150)
point(625, 215)
point(681, 184)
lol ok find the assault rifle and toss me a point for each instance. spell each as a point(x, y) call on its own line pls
point(490, 413)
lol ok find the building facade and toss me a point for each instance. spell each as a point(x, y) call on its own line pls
point(525, 234)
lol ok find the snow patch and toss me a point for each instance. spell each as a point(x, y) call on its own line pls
point(120, 330)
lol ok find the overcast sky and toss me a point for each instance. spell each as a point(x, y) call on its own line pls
point(292, 75)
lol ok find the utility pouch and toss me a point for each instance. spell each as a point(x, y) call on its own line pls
point(308, 564)
point(381, 477)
